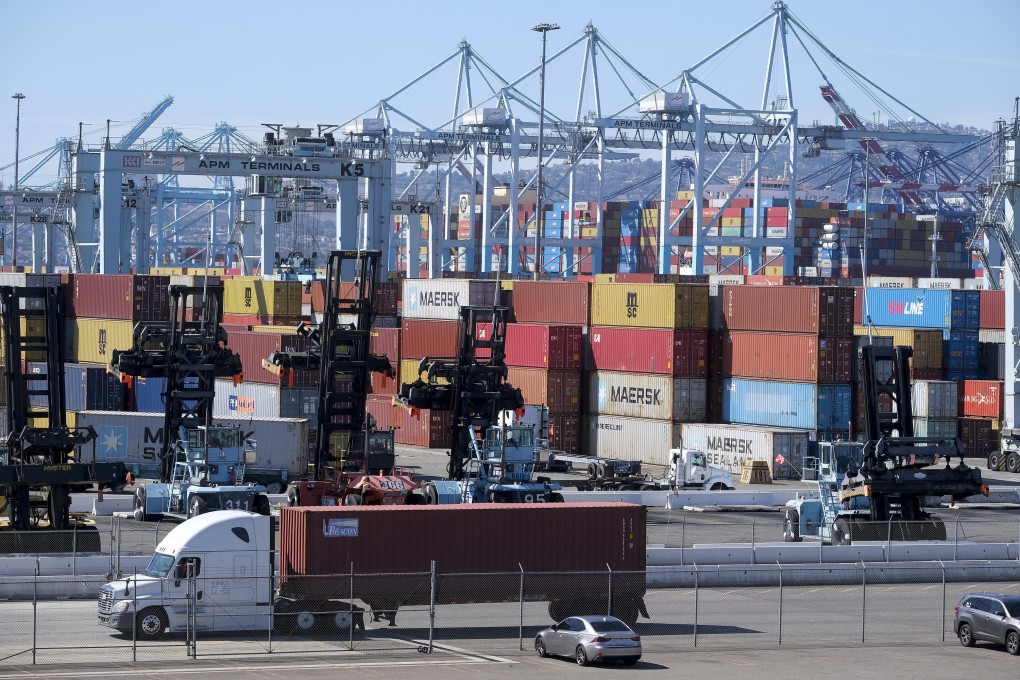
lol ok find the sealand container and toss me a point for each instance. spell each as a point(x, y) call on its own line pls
point(552, 347)
point(933, 399)
point(253, 295)
point(799, 405)
point(443, 298)
point(92, 341)
point(925, 308)
point(136, 439)
point(681, 353)
point(728, 446)
point(786, 356)
point(645, 439)
point(420, 338)
point(553, 302)
point(427, 428)
point(936, 427)
point(980, 436)
point(92, 388)
point(981, 398)
point(824, 310)
point(646, 395)
point(559, 391)
point(120, 296)
point(506, 538)
point(650, 305)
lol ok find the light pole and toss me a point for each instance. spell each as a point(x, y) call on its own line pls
point(540, 207)
point(17, 143)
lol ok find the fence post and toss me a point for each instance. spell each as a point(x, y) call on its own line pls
point(683, 538)
point(696, 593)
point(864, 597)
point(520, 633)
point(74, 551)
point(753, 524)
point(35, 611)
point(888, 539)
point(351, 605)
point(134, 616)
point(780, 601)
point(943, 565)
point(609, 599)
point(956, 542)
point(432, 608)
point(112, 542)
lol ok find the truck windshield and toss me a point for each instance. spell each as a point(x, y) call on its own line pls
point(159, 565)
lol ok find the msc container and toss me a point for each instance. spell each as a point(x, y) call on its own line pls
point(120, 296)
point(560, 538)
point(798, 405)
point(979, 398)
point(933, 399)
point(443, 298)
point(641, 439)
point(924, 308)
point(681, 353)
point(644, 395)
point(728, 446)
point(543, 346)
point(253, 295)
point(136, 439)
point(421, 338)
point(786, 356)
point(650, 305)
point(980, 436)
point(825, 310)
point(92, 388)
point(427, 428)
point(935, 427)
point(927, 344)
point(993, 309)
point(558, 302)
point(92, 341)
point(560, 391)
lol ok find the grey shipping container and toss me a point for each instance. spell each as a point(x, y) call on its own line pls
point(933, 399)
point(643, 439)
point(137, 438)
point(935, 427)
point(646, 395)
point(728, 446)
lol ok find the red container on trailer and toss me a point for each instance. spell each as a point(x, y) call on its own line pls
point(542, 346)
point(681, 353)
point(787, 356)
point(565, 432)
point(980, 398)
point(559, 391)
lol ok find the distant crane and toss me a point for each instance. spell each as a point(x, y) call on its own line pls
point(147, 119)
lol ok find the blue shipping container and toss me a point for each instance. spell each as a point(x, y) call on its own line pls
point(149, 397)
point(925, 308)
point(92, 388)
point(961, 350)
point(805, 406)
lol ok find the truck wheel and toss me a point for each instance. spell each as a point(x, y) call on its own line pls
point(304, 620)
point(342, 620)
point(139, 508)
point(994, 461)
point(1013, 462)
point(261, 504)
point(626, 611)
point(555, 497)
point(558, 610)
point(791, 529)
point(841, 532)
point(151, 623)
point(431, 495)
point(197, 506)
point(593, 471)
point(353, 499)
point(275, 487)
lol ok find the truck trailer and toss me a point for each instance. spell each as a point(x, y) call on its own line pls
point(565, 550)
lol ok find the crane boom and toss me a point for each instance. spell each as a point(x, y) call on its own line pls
point(135, 133)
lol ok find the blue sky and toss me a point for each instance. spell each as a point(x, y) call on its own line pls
point(327, 62)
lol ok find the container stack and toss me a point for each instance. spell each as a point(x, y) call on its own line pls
point(251, 300)
point(979, 407)
point(647, 361)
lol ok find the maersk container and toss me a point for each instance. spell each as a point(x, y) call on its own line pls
point(554, 302)
point(787, 404)
point(443, 298)
point(136, 440)
point(645, 395)
point(558, 390)
point(935, 427)
point(92, 388)
point(680, 353)
point(925, 308)
point(650, 305)
point(552, 347)
point(827, 311)
point(934, 399)
point(728, 446)
point(641, 439)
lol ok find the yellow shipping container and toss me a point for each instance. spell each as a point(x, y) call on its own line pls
point(274, 330)
point(927, 343)
point(728, 251)
point(685, 195)
point(773, 270)
point(731, 222)
point(94, 340)
point(409, 372)
point(71, 418)
point(254, 295)
point(650, 305)
point(29, 326)
point(605, 278)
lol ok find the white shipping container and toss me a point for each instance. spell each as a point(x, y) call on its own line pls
point(890, 281)
point(974, 284)
point(992, 335)
point(940, 284)
point(136, 439)
point(933, 398)
point(716, 280)
point(775, 232)
point(629, 438)
point(644, 395)
point(443, 298)
point(728, 446)
point(246, 400)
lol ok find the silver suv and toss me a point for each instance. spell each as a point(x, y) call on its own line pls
point(989, 617)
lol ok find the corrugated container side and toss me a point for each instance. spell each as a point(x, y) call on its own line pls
point(641, 439)
point(555, 537)
point(935, 427)
point(980, 398)
point(646, 395)
point(979, 436)
point(565, 432)
point(94, 340)
point(927, 344)
point(993, 309)
point(728, 446)
point(385, 342)
point(250, 295)
point(543, 346)
point(924, 308)
point(421, 338)
point(789, 309)
point(430, 429)
point(147, 395)
point(407, 372)
point(787, 404)
point(933, 399)
point(120, 296)
point(787, 356)
point(247, 399)
point(443, 298)
point(565, 302)
point(254, 347)
point(560, 391)
point(682, 353)
point(650, 305)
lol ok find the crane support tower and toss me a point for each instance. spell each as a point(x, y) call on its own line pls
point(43, 463)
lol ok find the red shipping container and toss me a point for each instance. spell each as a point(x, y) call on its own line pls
point(559, 391)
point(120, 296)
point(384, 302)
point(385, 342)
point(254, 347)
point(565, 432)
point(427, 428)
point(681, 353)
point(542, 346)
point(380, 384)
point(787, 356)
point(978, 435)
point(421, 338)
point(566, 302)
point(980, 398)
point(993, 309)
point(858, 305)
point(824, 311)
point(925, 373)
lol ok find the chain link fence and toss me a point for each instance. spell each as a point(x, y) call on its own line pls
point(204, 616)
